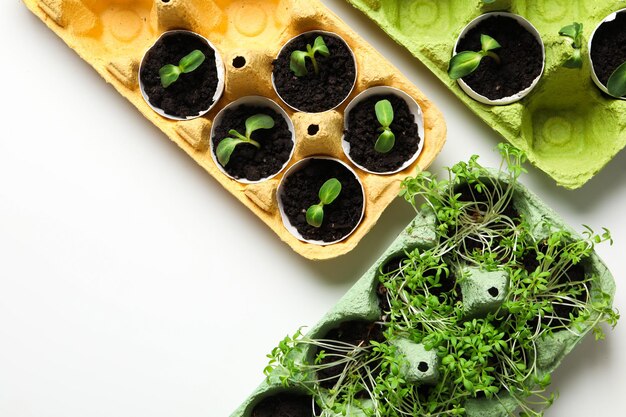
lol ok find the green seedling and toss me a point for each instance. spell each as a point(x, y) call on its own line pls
point(466, 62)
point(574, 32)
point(617, 82)
point(253, 123)
point(327, 194)
point(384, 114)
point(170, 73)
point(298, 58)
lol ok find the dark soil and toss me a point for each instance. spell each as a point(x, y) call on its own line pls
point(315, 93)
point(247, 161)
point(285, 405)
point(520, 55)
point(192, 93)
point(574, 274)
point(363, 132)
point(357, 333)
point(301, 191)
point(608, 50)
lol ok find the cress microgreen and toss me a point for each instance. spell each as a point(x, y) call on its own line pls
point(384, 114)
point(169, 74)
point(253, 123)
point(327, 194)
point(575, 33)
point(495, 356)
point(466, 62)
point(617, 82)
point(298, 58)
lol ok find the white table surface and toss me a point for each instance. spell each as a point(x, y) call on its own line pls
point(132, 284)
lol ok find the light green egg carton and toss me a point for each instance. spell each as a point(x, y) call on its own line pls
point(566, 125)
point(486, 295)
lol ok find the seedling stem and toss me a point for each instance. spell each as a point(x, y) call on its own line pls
point(298, 58)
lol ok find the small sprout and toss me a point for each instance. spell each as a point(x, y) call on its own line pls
point(384, 114)
point(327, 194)
point(575, 32)
point(169, 73)
point(253, 123)
point(617, 82)
point(298, 58)
point(466, 62)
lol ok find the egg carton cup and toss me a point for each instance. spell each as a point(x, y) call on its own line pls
point(414, 109)
point(361, 304)
point(113, 36)
point(568, 127)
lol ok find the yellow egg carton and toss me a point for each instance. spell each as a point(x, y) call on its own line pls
point(113, 36)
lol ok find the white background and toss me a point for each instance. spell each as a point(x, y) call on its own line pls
point(132, 284)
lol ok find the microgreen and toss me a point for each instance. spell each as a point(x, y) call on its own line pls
point(298, 58)
point(384, 114)
point(170, 73)
point(466, 62)
point(575, 33)
point(327, 194)
point(253, 123)
point(494, 356)
point(617, 82)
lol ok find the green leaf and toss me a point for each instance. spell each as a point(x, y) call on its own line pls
point(169, 74)
point(330, 191)
point(575, 32)
point(488, 43)
point(258, 121)
point(386, 141)
point(569, 31)
point(575, 61)
point(320, 47)
point(579, 34)
point(315, 215)
point(464, 63)
point(192, 61)
point(617, 82)
point(297, 63)
point(384, 113)
point(468, 385)
point(225, 149)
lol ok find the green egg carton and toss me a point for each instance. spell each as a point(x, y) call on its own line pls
point(566, 125)
point(411, 369)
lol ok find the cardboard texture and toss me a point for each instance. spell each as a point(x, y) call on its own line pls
point(566, 125)
point(361, 303)
point(113, 35)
